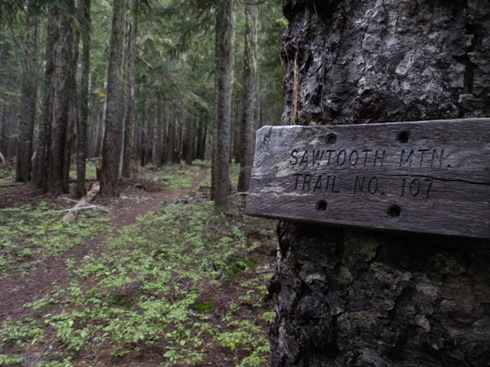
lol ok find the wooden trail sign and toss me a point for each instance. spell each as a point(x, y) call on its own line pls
point(430, 176)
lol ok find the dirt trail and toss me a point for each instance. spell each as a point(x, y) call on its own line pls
point(17, 290)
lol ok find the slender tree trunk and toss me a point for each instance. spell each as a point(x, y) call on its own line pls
point(156, 151)
point(145, 144)
point(141, 144)
point(57, 153)
point(28, 97)
point(201, 139)
point(176, 141)
point(361, 298)
point(73, 99)
point(225, 21)
point(236, 140)
point(84, 94)
point(8, 141)
point(188, 141)
point(111, 150)
point(12, 128)
point(99, 128)
point(169, 136)
point(129, 108)
point(249, 88)
point(101, 125)
point(49, 95)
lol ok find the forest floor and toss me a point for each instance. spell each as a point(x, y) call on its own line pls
point(155, 277)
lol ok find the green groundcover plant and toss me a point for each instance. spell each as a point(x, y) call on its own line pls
point(181, 284)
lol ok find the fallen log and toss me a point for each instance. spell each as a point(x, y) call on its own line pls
point(83, 203)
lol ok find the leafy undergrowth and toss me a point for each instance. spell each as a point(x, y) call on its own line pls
point(183, 286)
point(173, 176)
point(31, 233)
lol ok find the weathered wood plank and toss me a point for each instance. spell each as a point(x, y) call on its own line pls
point(430, 176)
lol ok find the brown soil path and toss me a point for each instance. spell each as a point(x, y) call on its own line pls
point(17, 290)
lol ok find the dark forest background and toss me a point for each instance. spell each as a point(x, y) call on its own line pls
point(132, 83)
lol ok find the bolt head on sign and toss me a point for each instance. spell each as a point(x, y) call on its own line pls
point(424, 176)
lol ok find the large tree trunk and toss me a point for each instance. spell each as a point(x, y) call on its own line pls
point(80, 190)
point(250, 67)
point(111, 151)
point(225, 21)
point(72, 92)
point(53, 150)
point(49, 97)
point(129, 104)
point(57, 152)
point(360, 298)
point(28, 97)
point(56, 148)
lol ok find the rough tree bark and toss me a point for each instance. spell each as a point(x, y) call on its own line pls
point(28, 96)
point(39, 172)
point(59, 90)
point(111, 151)
point(201, 139)
point(80, 189)
point(359, 298)
point(188, 141)
point(129, 104)
point(169, 134)
point(225, 22)
point(156, 151)
point(8, 128)
point(250, 68)
point(73, 99)
point(57, 151)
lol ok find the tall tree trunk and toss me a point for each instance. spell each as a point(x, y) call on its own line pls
point(111, 150)
point(57, 153)
point(28, 97)
point(169, 136)
point(80, 189)
point(156, 151)
point(201, 139)
point(129, 108)
point(237, 117)
point(73, 114)
point(360, 298)
point(250, 69)
point(176, 141)
point(225, 21)
point(101, 124)
point(188, 141)
point(49, 96)
point(145, 145)
point(8, 141)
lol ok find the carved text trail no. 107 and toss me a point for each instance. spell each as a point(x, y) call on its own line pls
point(430, 176)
